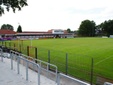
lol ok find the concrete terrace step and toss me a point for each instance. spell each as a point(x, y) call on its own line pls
point(10, 77)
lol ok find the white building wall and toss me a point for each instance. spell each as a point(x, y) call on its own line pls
point(57, 31)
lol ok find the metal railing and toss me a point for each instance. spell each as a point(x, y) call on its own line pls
point(18, 57)
point(1, 54)
point(75, 81)
point(27, 59)
point(107, 83)
point(46, 65)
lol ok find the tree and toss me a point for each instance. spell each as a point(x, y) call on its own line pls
point(19, 29)
point(99, 31)
point(14, 4)
point(69, 30)
point(87, 28)
point(7, 27)
point(107, 27)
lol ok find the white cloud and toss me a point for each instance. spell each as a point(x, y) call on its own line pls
point(42, 15)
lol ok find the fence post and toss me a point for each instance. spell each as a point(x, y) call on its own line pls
point(49, 58)
point(66, 63)
point(14, 47)
point(22, 44)
point(10, 45)
point(92, 66)
point(5, 44)
point(2, 42)
point(28, 50)
point(36, 53)
point(20, 47)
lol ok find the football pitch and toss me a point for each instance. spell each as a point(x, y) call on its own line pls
point(74, 55)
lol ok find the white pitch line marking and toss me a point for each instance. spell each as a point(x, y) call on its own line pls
point(103, 60)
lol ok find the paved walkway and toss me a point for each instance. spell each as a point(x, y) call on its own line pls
point(10, 77)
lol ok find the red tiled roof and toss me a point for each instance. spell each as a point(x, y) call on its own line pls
point(50, 31)
point(7, 32)
point(32, 32)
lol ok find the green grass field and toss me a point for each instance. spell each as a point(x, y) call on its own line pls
point(80, 53)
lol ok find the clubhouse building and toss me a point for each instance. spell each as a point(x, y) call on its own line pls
point(53, 33)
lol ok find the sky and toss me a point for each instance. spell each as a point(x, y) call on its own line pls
point(43, 15)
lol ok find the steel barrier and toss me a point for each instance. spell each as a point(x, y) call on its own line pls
point(107, 83)
point(77, 82)
point(18, 57)
point(1, 54)
point(40, 62)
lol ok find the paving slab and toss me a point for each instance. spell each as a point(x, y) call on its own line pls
point(10, 77)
